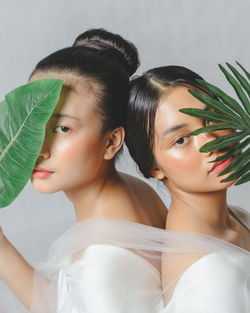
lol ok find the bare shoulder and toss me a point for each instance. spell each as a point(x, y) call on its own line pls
point(147, 198)
point(139, 186)
point(136, 182)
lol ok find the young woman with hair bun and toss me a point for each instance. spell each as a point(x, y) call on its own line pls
point(95, 266)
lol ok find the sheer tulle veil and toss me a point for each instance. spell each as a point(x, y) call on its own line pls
point(178, 250)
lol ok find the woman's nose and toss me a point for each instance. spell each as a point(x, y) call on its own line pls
point(204, 138)
point(45, 151)
point(215, 134)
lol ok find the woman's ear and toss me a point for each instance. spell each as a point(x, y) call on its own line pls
point(114, 141)
point(157, 173)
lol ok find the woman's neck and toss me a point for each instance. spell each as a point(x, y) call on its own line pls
point(90, 200)
point(199, 212)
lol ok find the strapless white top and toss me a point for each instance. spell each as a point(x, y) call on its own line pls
point(109, 279)
point(217, 283)
point(114, 275)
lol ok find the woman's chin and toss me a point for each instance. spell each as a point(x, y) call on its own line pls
point(43, 189)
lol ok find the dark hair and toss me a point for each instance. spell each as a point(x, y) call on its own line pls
point(104, 58)
point(145, 93)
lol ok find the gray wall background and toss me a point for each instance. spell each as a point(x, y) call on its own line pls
point(195, 33)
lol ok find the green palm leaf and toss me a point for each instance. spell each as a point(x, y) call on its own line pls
point(208, 115)
point(238, 162)
point(222, 142)
point(244, 179)
point(216, 105)
point(211, 128)
point(238, 173)
point(230, 114)
point(227, 100)
point(236, 149)
point(23, 117)
point(244, 70)
point(239, 88)
point(242, 80)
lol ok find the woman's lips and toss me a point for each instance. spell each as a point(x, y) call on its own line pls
point(40, 172)
point(220, 166)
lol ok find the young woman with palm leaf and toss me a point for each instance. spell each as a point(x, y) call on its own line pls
point(215, 278)
point(89, 269)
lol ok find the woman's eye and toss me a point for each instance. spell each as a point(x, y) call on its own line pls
point(61, 129)
point(180, 141)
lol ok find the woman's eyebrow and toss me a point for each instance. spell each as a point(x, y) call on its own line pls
point(60, 115)
point(174, 129)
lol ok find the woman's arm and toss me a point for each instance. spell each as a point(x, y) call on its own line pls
point(15, 271)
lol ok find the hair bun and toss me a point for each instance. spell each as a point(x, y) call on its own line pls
point(121, 51)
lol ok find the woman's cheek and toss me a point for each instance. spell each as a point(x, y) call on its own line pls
point(183, 160)
point(63, 149)
point(77, 148)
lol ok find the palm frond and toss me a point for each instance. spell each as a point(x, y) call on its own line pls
point(238, 162)
point(208, 115)
point(236, 149)
point(238, 173)
point(238, 87)
point(244, 70)
point(230, 114)
point(241, 79)
point(222, 142)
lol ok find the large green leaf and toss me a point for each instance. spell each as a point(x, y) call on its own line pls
point(229, 113)
point(23, 117)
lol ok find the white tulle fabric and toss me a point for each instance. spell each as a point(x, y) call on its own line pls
point(114, 266)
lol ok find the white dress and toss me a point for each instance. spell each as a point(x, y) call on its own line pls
point(113, 273)
point(113, 266)
point(110, 273)
point(108, 279)
point(217, 283)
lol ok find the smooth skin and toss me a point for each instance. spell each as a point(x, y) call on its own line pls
point(198, 197)
point(80, 160)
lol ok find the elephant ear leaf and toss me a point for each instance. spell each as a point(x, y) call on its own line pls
point(227, 113)
point(23, 116)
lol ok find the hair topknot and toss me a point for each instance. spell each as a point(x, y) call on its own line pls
point(119, 50)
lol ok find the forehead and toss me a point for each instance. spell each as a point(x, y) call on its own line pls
point(178, 97)
point(170, 103)
point(81, 85)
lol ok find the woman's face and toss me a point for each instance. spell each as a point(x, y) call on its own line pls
point(178, 160)
point(72, 150)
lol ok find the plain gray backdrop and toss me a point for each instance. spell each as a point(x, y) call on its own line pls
point(197, 34)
